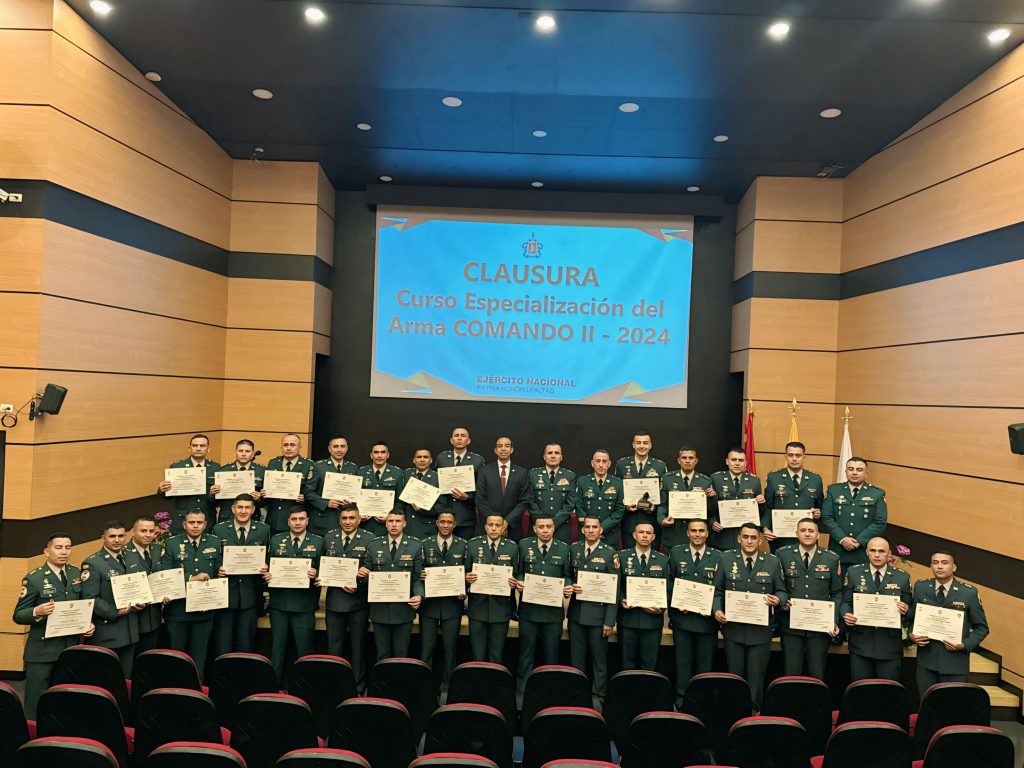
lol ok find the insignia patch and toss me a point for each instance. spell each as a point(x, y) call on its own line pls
point(563, 481)
point(85, 574)
point(209, 550)
point(405, 557)
point(309, 475)
point(24, 591)
point(762, 573)
point(958, 604)
point(820, 567)
point(610, 491)
point(504, 557)
point(655, 568)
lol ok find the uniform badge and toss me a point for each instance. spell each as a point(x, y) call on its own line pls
point(309, 475)
point(24, 590)
point(563, 481)
point(85, 573)
point(615, 560)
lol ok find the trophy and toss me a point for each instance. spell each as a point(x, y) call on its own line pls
point(644, 503)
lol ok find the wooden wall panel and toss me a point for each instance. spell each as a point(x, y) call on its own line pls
point(783, 375)
point(273, 228)
point(26, 67)
point(793, 324)
point(798, 199)
point(269, 355)
point(324, 237)
point(26, 14)
point(271, 181)
point(768, 461)
point(743, 256)
point(17, 386)
point(322, 298)
point(275, 304)
point(741, 314)
point(796, 246)
point(22, 237)
point(19, 330)
point(24, 145)
point(325, 197)
point(816, 424)
point(268, 406)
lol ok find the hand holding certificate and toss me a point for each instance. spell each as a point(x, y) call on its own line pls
point(167, 585)
point(812, 615)
point(131, 589)
point(784, 521)
point(282, 485)
point(746, 608)
point(877, 610)
point(491, 580)
point(338, 572)
point(734, 513)
point(693, 596)
point(598, 587)
point(390, 587)
point(543, 590)
point(688, 505)
point(445, 581)
point(186, 481)
point(636, 488)
point(937, 623)
point(244, 560)
point(417, 492)
point(461, 478)
point(69, 617)
point(289, 572)
point(209, 595)
point(375, 502)
point(233, 484)
point(342, 487)
point(645, 592)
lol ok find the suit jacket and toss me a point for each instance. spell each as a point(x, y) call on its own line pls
point(962, 597)
point(150, 617)
point(392, 478)
point(41, 586)
point(112, 631)
point(179, 553)
point(443, 607)
point(603, 559)
point(322, 517)
point(464, 511)
point(675, 534)
point(863, 518)
point(681, 566)
point(244, 592)
point(408, 557)
point(819, 582)
point(556, 500)
point(224, 505)
point(626, 468)
point(295, 600)
point(556, 564)
point(421, 524)
point(766, 579)
point(874, 642)
point(657, 568)
point(491, 608)
point(338, 600)
point(511, 504)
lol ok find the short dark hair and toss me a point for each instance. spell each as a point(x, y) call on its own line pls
point(755, 526)
point(375, 443)
point(696, 520)
point(945, 552)
point(296, 509)
point(735, 449)
point(446, 512)
point(199, 434)
point(644, 522)
point(605, 451)
point(111, 525)
point(244, 497)
point(541, 516)
point(803, 520)
point(686, 448)
point(246, 441)
point(396, 511)
point(57, 535)
point(143, 519)
point(591, 517)
point(796, 444)
point(549, 443)
point(422, 448)
point(197, 511)
point(857, 458)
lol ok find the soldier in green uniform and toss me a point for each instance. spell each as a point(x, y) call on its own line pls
point(290, 460)
point(875, 652)
point(945, 661)
point(378, 474)
point(687, 478)
point(420, 522)
point(199, 554)
point(540, 626)
point(293, 611)
point(853, 513)
point(554, 491)
point(198, 447)
point(591, 623)
point(235, 626)
point(811, 573)
point(641, 464)
point(489, 614)
point(748, 646)
point(640, 627)
point(245, 452)
point(53, 581)
point(694, 635)
point(442, 614)
point(600, 494)
point(142, 543)
point(791, 487)
point(733, 483)
point(392, 622)
point(116, 628)
point(461, 503)
point(324, 512)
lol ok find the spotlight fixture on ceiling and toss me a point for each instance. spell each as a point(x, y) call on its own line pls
point(998, 35)
point(257, 154)
point(539, 134)
point(452, 101)
point(545, 23)
point(721, 138)
point(831, 113)
point(778, 31)
point(153, 77)
point(629, 106)
point(363, 126)
point(386, 179)
point(536, 184)
point(829, 170)
point(262, 93)
point(101, 7)
point(315, 16)
point(693, 189)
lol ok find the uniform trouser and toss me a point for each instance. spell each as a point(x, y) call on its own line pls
point(639, 647)
point(353, 626)
point(749, 662)
point(926, 678)
point(864, 668)
point(449, 628)
point(695, 652)
point(534, 636)
point(584, 642)
point(299, 625)
point(799, 651)
point(235, 630)
point(487, 639)
point(392, 639)
point(192, 637)
point(37, 680)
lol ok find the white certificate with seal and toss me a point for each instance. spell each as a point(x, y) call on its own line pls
point(746, 608)
point(282, 485)
point(168, 584)
point(491, 580)
point(734, 513)
point(646, 592)
point(417, 492)
point(186, 481)
point(635, 488)
point(812, 615)
point(243, 560)
point(877, 610)
point(688, 505)
point(445, 581)
point(338, 485)
point(784, 521)
point(289, 572)
point(69, 617)
point(460, 478)
point(389, 587)
point(338, 571)
point(210, 595)
point(131, 589)
point(234, 483)
point(693, 596)
point(937, 623)
point(598, 587)
point(375, 502)
point(543, 590)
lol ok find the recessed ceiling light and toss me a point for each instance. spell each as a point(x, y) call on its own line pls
point(779, 30)
point(545, 23)
point(153, 77)
point(101, 7)
point(386, 178)
point(262, 93)
point(314, 15)
point(830, 113)
point(693, 189)
point(629, 106)
point(363, 126)
point(539, 134)
point(998, 35)
point(452, 101)
point(721, 138)
point(537, 184)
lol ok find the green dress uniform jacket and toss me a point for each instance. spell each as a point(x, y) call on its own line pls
point(464, 511)
point(244, 591)
point(603, 559)
point(554, 498)
point(781, 493)
point(392, 478)
point(443, 607)
point(556, 564)
point(602, 499)
point(408, 557)
point(819, 582)
point(626, 468)
point(338, 599)
point(295, 600)
point(277, 509)
point(725, 489)
point(863, 517)
point(491, 608)
point(874, 642)
point(681, 566)
point(675, 534)
point(37, 588)
point(657, 568)
point(422, 524)
point(322, 517)
point(112, 631)
point(204, 558)
point(185, 504)
point(150, 617)
point(224, 505)
point(960, 596)
point(766, 579)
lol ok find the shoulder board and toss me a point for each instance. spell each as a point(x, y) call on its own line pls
point(829, 553)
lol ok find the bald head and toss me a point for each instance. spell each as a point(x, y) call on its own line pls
point(878, 552)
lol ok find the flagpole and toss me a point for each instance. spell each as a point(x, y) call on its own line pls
point(845, 449)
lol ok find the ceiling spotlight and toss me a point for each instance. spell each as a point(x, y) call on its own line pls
point(829, 170)
point(386, 178)
point(452, 101)
point(262, 93)
point(101, 7)
point(830, 113)
point(545, 23)
point(314, 15)
point(721, 138)
point(539, 134)
point(629, 106)
point(998, 35)
point(536, 184)
point(363, 126)
point(779, 30)
point(693, 189)
point(153, 77)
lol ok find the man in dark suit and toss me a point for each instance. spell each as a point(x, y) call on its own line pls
point(503, 488)
point(235, 627)
point(142, 543)
point(463, 505)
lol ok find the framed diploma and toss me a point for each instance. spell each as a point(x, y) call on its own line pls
point(935, 623)
point(375, 502)
point(69, 617)
point(209, 595)
point(461, 478)
point(784, 521)
point(645, 592)
point(338, 485)
point(598, 587)
point(812, 615)
point(491, 580)
point(543, 590)
point(289, 572)
point(733, 513)
point(688, 505)
point(635, 488)
point(338, 571)
point(445, 581)
point(169, 584)
point(877, 610)
point(234, 483)
point(282, 485)
point(244, 560)
point(131, 589)
point(693, 596)
point(746, 608)
point(186, 481)
point(389, 587)
point(423, 495)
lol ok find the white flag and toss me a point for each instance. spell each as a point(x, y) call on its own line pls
point(845, 452)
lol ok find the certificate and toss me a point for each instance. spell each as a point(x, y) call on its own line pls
point(244, 560)
point(877, 610)
point(338, 571)
point(169, 584)
point(289, 572)
point(543, 590)
point(374, 502)
point(598, 587)
point(131, 589)
point(635, 488)
point(186, 481)
point(491, 580)
point(693, 596)
point(733, 513)
point(461, 478)
point(69, 617)
point(417, 492)
point(446, 581)
point(784, 521)
point(282, 485)
point(338, 485)
point(645, 592)
point(746, 608)
point(389, 587)
point(210, 595)
point(935, 623)
point(812, 615)
point(234, 483)
point(688, 505)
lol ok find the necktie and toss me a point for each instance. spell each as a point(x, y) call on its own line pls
point(807, 560)
point(504, 478)
point(494, 550)
point(796, 480)
point(458, 461)
point(241, 536)
point(942, 592)
point(543, 550)
point(750, 566)
point(589, 550)
point(394, 548)
point(856, 491)
point(686, 483)
point(338, 467)
point(345, 542)
point(146, 555)
point(295, 544)
point(640, 469)
point(64, 579)
point(444, 549)
point(600, 483)
point(736, 484)
point(878, 580)
point(419, 475)
point(288, 466)
point(378, 475)
point(643, 562)
point(551, 475)
point(696, 559)
point(120, 559)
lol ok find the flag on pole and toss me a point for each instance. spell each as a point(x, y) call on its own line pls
point(794, 432)
point(845, 450)
point(748, 439)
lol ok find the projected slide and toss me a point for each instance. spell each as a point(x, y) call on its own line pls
point(592, 310)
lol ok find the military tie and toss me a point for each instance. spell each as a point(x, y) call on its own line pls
point(120, 559)
point(543, 551)
point(195, 548)
point(394, 549)
point(643, 562)
point(345, 542)
point(856, 491)
point(686, 483)
point(736, 484)
point(640, 469)
point(796, 480)
point(589, 550)
point(149, 561)
point(696, 559)
point(338, 467)
point(64, 580)
point(807, 560)
point(750, 566)
point(878, 581)
point(494, 550)
point(458, 461)
point(241, 536)
point(419, 476)
point(551, 475)
point(942, 593)
point(600, 484)
point(378, 475)
point(444, 549)
point(295, 544)
point(288, 466)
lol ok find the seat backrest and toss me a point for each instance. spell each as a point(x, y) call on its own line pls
point(357, 726)
point(190, 754)
point(768, 742)
point(571, 763)
point(718, 700)
point(633, 692)
point(875, 699)
point(469, 728)
point(234, 676)
point(323, 682)
point(554, 685)
point(808, 701)
point(888, 745)
point(13, 726)
point(266, 726)
point(166, 715)
point(482, 682)
point(64, 751)
point(969, 745)
point(409, 681)
point(84, 711)
point(161, 668)
point(321, 757)
point(94, 665)
point(564, 732)
point(452, 760)
point(664, 740)
point(949, 704)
